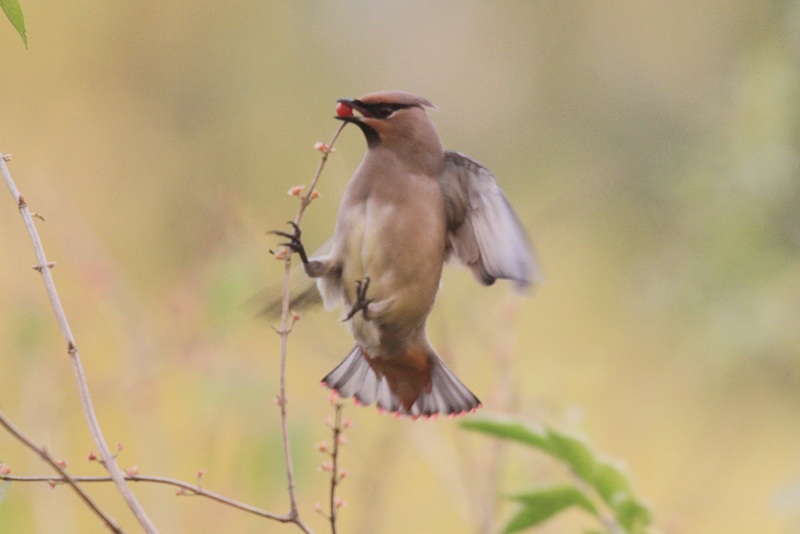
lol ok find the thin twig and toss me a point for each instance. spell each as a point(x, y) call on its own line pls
point(335, 504)
point(64, 478)
point(185, 489)
point(284, 333)
point(44, 267)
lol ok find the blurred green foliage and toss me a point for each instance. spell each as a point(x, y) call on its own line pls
point(596, 477)
point(650, 148)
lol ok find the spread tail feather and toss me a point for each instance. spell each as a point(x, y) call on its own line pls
point(418, 384)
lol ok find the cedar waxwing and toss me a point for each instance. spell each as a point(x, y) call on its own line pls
point(410, 206)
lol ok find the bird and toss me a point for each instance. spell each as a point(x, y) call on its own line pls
point(409, 207)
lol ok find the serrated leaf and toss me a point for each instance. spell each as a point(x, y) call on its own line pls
point(13, 11)
point(513, 431)
point(540, 505)
point(575, 452)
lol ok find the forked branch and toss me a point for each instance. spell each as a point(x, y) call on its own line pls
point(64, 478)
point(107, 459)
point(44, 267)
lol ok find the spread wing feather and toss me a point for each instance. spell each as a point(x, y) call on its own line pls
point(484, 232)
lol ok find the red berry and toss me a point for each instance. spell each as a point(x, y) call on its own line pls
point(343, 109)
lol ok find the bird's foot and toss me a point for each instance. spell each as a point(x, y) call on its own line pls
point(362, 302)
point(294, 242)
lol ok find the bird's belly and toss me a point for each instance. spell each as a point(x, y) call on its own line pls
point(402, 256)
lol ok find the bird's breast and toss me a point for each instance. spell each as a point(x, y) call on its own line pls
point(396, 236)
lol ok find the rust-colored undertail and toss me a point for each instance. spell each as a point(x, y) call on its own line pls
point(417, 384)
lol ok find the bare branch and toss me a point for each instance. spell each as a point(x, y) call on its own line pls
point(107, 459)
point(284, 331)
point(336, 475)
point(184, 489)
point(44, 267)
point(65, 477)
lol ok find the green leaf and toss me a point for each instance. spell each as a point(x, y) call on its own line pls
point(541, 505)
point(610, 482)
point(576, 453)
point(13, 11)
point(615, 489)
point(510, 430)
point(632, 514)
point(603, 475)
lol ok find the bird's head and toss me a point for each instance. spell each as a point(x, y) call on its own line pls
point(389, 118)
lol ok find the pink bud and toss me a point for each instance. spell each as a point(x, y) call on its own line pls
point(91, 456)
point(296, 190)
point(322, 446)
point(322, 147)
point(4, 470)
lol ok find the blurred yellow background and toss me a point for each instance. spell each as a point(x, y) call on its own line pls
point(651, 149)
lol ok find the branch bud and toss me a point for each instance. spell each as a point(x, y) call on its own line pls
point(296, 190)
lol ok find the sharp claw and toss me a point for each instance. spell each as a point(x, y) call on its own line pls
point(294, 242)
point(362, 302)
point(350, 315)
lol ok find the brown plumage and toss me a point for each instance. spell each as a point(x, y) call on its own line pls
point(409, 206)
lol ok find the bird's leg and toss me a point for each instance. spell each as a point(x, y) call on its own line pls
point(362, 302)
point(313, 268)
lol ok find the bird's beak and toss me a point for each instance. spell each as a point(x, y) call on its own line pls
point(345, 108)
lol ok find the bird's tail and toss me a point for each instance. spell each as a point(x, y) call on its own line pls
point(417, 384)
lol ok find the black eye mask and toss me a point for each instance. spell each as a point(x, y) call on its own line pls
point(378, 110)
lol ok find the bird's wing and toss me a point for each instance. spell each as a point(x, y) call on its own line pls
point(484, 233)
point(303, 295)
